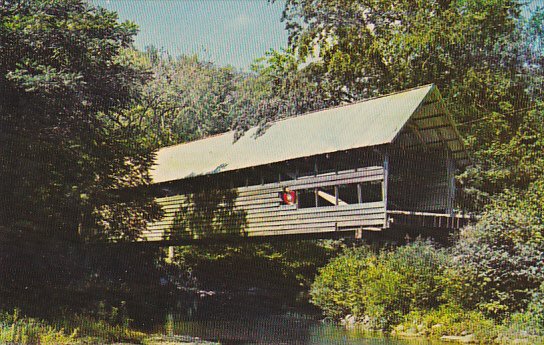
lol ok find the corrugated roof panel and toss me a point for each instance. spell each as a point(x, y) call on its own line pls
point(191, 159)
point(368, 123)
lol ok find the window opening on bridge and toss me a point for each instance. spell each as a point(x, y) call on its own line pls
point(371, 191)
point(307, 168)
point(270, 177)
point(326, 165)
point(288, 176)
point(238, 180)
point(254, 178)
point(306, 198)
point(349, 194)
point(346, 162)
point(344, 194)
point(326, 196)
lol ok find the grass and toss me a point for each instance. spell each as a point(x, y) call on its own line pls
point(15, 329)
point(21, 330)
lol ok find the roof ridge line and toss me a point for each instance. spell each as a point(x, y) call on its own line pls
point(304, 114)
point(345, 105)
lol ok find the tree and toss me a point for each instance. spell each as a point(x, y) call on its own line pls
point(484, 56)
point(185, 99)
point(278, 87)
point(66, 146)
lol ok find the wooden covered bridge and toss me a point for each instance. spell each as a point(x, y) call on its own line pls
point(379, 164)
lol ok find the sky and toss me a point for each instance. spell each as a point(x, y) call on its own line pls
point(226, 32)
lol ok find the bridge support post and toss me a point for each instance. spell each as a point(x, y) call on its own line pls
point(359, 234)
point(170, 256)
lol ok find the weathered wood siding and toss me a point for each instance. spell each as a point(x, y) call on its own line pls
point(264, 215)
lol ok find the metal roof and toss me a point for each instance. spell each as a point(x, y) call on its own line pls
point(367, 123)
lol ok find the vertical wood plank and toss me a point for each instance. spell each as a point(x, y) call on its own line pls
point(359, 193)
point(385, 184)
point(450, 166)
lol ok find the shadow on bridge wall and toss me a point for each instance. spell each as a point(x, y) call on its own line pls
point(211, 213)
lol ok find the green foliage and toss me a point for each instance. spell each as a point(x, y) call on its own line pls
point(280, 269)
point(15, 329)
point(185, 98)
point(363, 48)
point(20, 330)
point(512, 162)
point(532, 319)
point(498, 263)
point(385, 285)
point(66, 146)
point(452, 320)
point(93, 330)
point(336, 290)
point(521, 327)
point(484, 56)
point(279, 87)
point(536, 313)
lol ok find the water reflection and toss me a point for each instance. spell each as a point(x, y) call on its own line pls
point(273, 330)
point(235, 321)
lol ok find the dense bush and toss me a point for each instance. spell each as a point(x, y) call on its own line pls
point(489, 284)
point(536, 311)
point(531, 320)
point(336, 289)
point(451, 320)
point(385, 285)
point(498, 263)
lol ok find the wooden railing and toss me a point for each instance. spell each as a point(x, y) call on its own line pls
point(429, 220)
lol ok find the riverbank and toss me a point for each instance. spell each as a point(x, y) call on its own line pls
point(15, 329)
point(175, 340)
point(238, 327)
point(460, 328)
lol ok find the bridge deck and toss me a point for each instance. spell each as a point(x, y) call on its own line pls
point(429, 220)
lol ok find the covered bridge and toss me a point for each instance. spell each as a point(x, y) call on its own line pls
point(371, 165)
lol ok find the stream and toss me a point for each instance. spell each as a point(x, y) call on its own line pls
point(254, 319)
